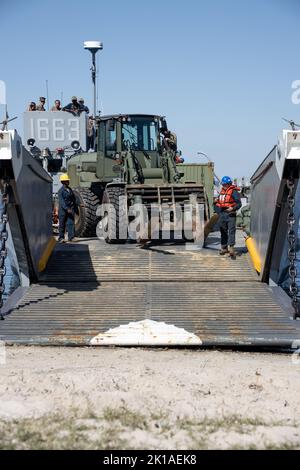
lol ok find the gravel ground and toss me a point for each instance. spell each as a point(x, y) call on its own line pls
point(89, 398)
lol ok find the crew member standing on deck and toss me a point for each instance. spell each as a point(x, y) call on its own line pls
point(41, 104)
point(74, 107)
point(226, 205)
point(67, 208)
point(57, 106)
point(85, 108)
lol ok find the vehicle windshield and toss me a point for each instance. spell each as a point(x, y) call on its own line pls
point(140, 134)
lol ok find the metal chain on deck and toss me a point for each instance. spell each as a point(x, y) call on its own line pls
point(3, 239)
point(292, 240)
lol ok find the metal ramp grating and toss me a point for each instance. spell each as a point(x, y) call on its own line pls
point(76, 263)
point(92, 287)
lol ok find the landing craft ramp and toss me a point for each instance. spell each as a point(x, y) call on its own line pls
point(166, 294)
point(89, 288)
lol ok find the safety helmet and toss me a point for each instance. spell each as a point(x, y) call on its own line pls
point(64, 177)
point(226, 180)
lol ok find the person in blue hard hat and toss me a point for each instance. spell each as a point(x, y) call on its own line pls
point(226, 205)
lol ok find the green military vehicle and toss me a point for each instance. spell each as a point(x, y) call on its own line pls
point(133, 165)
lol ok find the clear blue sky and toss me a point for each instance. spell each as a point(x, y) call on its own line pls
point(221, 71)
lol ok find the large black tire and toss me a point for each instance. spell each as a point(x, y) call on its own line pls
point(115, 220)
point(86, 221)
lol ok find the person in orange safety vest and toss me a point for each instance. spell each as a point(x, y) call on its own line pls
point(226, 205)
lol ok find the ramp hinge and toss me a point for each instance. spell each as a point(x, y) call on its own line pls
point(292, 243)
point(3, 240)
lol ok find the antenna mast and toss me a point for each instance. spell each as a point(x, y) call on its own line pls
point(6, 120)
point(94, 47)
point(47, 94)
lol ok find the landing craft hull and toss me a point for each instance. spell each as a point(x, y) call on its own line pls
point(269, 206)
point(29, 208)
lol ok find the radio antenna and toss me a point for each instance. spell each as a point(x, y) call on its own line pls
point(293, 126)
point(6, 120)
point(47, 94)
point(291, 123)
point(94, 47)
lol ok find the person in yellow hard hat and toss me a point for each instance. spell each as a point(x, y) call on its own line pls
point(67, 208)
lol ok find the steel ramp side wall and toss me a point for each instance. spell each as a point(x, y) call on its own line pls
point(269, 207)
point(264, 193)
point(30, 222)
point(33, 189)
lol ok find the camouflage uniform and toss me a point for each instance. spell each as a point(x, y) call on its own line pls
point(173, 141)
point(85, 108)
point(40, 106)
point(74, 107)
point(170, 141)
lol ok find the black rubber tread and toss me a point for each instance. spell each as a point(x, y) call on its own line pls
point(116, 218)
point(86, 223)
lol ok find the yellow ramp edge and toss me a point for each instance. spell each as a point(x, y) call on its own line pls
point(46, 255)
point(255, 258)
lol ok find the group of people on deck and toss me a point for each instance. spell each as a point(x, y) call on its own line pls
point(75, 107)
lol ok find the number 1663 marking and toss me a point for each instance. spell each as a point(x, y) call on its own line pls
point(58, 130)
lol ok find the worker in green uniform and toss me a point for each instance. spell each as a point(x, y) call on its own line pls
point(169, 139)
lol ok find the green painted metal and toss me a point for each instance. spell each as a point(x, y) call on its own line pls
point(82, 169)
point(202, 173)
point(131, 151)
